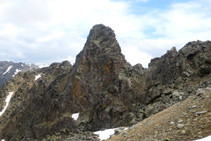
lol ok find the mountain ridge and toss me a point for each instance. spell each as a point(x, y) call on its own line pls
point(103, 87)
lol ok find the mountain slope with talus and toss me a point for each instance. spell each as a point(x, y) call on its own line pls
point(186, 120)
point(102, 87)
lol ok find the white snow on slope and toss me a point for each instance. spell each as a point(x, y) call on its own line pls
point(37, 76)
point(16, 72)
point(8, 69)
point(103, 135)
point(7, 102)
point(75, 116)
point(205, 139)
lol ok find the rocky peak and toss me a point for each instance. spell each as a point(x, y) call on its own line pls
point(103, 37)
point(102, 87)
point(101, 45)
point(95, 77)
point(101, 54)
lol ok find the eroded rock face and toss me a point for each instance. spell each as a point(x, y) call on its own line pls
point(176, 75)
point(100, 84)
point(103, 87)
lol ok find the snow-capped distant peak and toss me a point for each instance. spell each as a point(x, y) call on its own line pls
point(8, 69)
point(7, 102)
point(75, 116)
point(37, 76)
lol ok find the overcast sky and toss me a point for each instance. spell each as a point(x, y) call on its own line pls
point(47, 31)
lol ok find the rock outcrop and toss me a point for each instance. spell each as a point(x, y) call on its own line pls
point(100, 82)
point(177, 75)
point(102, 87)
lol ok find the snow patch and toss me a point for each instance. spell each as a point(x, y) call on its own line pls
point(105, 134)
point(16, 72)
point(126, 128)
point(75, 116)
point(37, 76)
point(7, 102)
point(8, 69)
point(205, 139)
point(3, 140)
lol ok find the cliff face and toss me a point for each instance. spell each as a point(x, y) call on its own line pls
point(99, 84)
point(103, 87)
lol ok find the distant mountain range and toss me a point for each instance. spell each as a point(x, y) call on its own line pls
point(9, 69)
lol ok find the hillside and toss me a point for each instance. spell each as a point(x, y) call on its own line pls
point(102, 88)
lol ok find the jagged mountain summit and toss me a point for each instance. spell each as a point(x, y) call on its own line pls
point(102, 88)
point(9, 69)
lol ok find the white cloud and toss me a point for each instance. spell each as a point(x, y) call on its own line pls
point(8, 31)
point(181, 20)
point(55, 30)
point(175, 26)
point(24, 13)
point(134, 55)
point(142, 51)
point(186, 20)
point(54, 35)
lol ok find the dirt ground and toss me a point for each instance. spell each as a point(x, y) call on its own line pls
point(187, 120)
